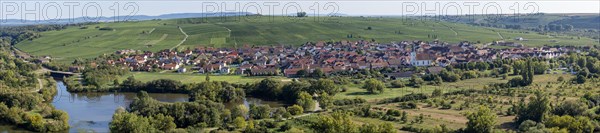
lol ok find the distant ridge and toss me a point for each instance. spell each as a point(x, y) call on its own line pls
point(18, 22)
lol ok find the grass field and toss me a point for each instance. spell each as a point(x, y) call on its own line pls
point(153, 35)
point(453, 118)
point(354, 90)
point(195, 78)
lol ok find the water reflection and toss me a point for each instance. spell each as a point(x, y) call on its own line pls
point(93, 111)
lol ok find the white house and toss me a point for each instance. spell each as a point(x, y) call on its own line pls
point(420, 59)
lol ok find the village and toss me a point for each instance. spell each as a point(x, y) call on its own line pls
point(329, 57)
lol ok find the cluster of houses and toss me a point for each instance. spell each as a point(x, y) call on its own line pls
point(327, 56)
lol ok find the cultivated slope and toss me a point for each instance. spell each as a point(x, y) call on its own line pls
point(153, 35)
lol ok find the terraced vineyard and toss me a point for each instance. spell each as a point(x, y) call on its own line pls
point(77, 42)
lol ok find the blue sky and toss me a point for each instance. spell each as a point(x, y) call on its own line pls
point(67, 9)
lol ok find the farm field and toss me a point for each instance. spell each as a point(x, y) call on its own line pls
point(88, 41)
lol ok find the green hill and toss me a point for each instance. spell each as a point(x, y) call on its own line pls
point(77, 42)
point(578, 21)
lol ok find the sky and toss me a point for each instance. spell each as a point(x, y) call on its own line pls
point(47, 9)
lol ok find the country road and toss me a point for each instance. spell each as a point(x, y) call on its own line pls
point(235, 42)
point(40, 86)
point(182, 41)
point(501, 37)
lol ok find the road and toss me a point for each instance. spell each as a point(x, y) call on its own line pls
point(184, 39)
point(234, 41)
point(40, 85)
point(501, 37)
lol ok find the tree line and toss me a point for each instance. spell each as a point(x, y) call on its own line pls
point(21, 104)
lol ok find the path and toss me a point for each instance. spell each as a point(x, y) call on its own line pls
point(150, 32)
point(234, 41)
point(452, 29)
point(184, 39)
point(40, 86)
point(501, 37)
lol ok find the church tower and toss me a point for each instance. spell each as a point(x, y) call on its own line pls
point(413, 56)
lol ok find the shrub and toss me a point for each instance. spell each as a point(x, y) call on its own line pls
point(355, 101)
point(408, 105)
point(105, 28)
point(398, 84)
point(295, 109)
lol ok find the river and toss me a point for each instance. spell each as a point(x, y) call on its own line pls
point(92, 112)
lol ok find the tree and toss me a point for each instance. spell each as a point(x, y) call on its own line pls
point(580, 79)
point(325, 101)
point(579, 124)
point(301, 14)
point(482, 121)
point(34, 121)
point(162, 122)
point(387, 128)
point(527, 73)
point(131, 84)
point(415, 81)
point(373, 128)
point(260, 111)
point(398, 84)
point(317, 73)
point(369, 128)
point(530, 126)
point(230, 94)
point(301, 73)
point(482, 66)
point(516, 81)
point(560, 79)
point(239, 111)
point(505, 69)
point(337, 122)
point(535, 110)
point(324, 85)
point(123, 121)
point(374, 86)
point(449, 76)
point(305, 100)
point(291, 91)
point(436, 93)
point(207, 79)
point(404, 117)
point(279, 113)
point(268, 88)
point(571, 107)
point(239, 122)
point(295, 109)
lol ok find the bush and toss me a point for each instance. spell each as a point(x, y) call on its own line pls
point(408, 105)
point(393, 112)
point(355, 101)
point(105, 28)
point(572, 108)
point(398, 84)
point(560, 79)
point(446, 105)
point(295, 109)
point(409, 97)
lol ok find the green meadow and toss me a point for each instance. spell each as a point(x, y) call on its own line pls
point(153, 35)
point(197, 78)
